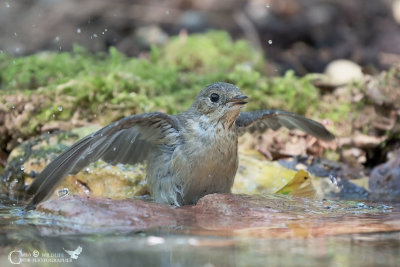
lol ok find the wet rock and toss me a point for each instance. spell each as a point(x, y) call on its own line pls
point(385, 178)
point(220, 214)
point(97, 179)
point(107, 213)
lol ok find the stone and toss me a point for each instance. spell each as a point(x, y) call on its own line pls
point(385, 178)
point(98, 179)
point(221, 214)
point(147, 36)
point(343, 71)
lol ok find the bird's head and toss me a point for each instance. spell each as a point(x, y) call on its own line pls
point(221, 102)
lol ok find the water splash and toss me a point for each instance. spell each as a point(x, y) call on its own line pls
point(62, 193)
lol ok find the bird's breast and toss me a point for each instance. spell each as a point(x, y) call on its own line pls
point(207, 161)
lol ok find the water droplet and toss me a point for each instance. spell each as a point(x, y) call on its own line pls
point(78, 31)
point(88, 170)
point(7, 5)
point(53, 115)
point(270, 42)
point(95, 35)
point(13, 107)
point(167, 12)
point(57, 39)
point(63, 192)
point(15, 34)
point(102, 33)
point(267, 6)
point(114, 148)
point(334, 179)
point(22, 168)
point(105, 29)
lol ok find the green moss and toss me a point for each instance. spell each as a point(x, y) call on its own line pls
point(42, 69)
point(112, 85)
point(206, 53)
point(288, 92)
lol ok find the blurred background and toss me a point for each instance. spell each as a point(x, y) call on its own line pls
point(335, 61)
point(301, 35)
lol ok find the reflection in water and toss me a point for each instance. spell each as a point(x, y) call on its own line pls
point(195, 246)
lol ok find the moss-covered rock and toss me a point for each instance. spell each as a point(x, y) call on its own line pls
point(41, 91)
point(98, 179)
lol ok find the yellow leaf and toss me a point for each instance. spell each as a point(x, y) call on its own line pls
point(300, 185)
point(256, 176)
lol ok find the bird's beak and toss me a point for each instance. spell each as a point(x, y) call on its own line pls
point(238, 99)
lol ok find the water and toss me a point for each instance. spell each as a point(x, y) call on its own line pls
point(347, 234)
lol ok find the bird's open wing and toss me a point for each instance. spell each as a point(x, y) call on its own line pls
point(262, 119)
point(128, 140)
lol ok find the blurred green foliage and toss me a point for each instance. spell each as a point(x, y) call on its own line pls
point(167, 80)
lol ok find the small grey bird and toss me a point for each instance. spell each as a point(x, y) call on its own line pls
point(189, 155)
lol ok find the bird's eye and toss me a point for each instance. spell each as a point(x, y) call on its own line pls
point(214, 97)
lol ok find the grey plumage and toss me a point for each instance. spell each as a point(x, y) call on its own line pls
point(187, 156)
point(260, 120)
